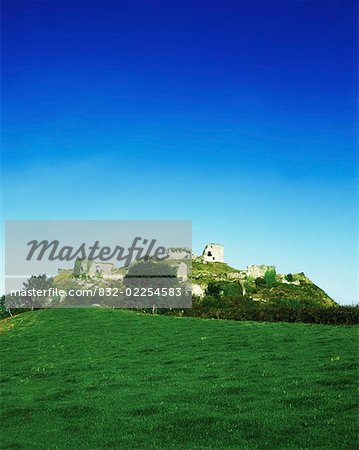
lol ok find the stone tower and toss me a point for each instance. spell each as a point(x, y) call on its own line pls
point(213, 253)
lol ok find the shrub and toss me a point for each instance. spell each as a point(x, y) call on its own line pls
point(224, 289)
point(260, 282)
point(276, 311)
point(249, 286)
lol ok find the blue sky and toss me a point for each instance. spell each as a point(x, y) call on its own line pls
point(238, 115)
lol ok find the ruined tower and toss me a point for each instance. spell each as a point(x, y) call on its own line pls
point(213, 253)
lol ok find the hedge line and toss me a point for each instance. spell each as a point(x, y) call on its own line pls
point(272, 312)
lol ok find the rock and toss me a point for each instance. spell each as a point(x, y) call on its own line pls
point(197, 290)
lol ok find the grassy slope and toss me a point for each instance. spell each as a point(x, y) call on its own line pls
point(307, 291)
point(76, 379)
point(202, 274)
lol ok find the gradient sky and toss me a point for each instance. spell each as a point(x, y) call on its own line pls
point(239, 115)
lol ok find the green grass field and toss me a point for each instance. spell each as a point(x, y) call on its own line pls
point(97, 379)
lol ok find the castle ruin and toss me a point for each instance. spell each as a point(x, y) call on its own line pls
point(213, 253)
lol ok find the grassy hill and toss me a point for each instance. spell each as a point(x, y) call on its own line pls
point(102, 378)
point(203, 273)
point(305, 291)
point(286, 289)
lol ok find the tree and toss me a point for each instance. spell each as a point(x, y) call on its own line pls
point(37, 290)
point(4, 309)
point(270, 277)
